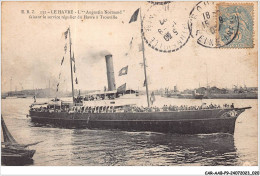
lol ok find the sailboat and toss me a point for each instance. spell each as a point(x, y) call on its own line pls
point(106, 111)
point(13, 152)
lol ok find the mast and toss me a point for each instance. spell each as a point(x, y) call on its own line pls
point(71, 71)
point(145, 75)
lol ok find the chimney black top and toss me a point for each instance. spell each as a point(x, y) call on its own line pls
point(108, 55)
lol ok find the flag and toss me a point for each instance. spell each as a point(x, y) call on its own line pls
point(122, 88)
point(74, 68)
point(62, 60)
point(152, 98)
point(66, 33)
point(73, 59)
point(149, 82)
point(76, 81)
point(134, 16)
point(57, 87)
point(131, 42)
point(65, 48)
point(130, 46)
point(144, 83)
point(123, 71)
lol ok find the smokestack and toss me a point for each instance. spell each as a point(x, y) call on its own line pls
point(110, 73)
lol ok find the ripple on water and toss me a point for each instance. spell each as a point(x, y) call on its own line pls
point(76, 147)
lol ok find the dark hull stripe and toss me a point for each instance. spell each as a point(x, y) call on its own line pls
point(183, 122)
point(35, 117)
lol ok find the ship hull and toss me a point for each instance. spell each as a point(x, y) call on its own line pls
point(16, 157)
point(183, 122)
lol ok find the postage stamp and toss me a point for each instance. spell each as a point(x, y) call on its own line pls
point(228, 15)
point(206, 29)
point(222, 25)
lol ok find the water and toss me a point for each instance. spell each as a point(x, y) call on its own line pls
point(76, 147)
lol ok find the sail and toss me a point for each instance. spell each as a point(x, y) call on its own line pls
point(8, 138)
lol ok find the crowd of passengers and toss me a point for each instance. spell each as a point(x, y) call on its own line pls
point(94, 98)
point(113, 109)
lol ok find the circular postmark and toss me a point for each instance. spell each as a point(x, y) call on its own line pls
point(164, 29)
point(211, 27)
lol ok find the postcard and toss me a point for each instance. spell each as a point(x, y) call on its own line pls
point(157, 83)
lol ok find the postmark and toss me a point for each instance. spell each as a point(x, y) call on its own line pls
point(164, 29)
point(244, 13)
point(210, 28)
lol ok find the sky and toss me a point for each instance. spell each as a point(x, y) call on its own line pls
point(32, 50)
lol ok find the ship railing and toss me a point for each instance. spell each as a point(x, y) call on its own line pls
point(78, 104)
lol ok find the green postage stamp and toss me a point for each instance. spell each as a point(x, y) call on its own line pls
point(237, 19)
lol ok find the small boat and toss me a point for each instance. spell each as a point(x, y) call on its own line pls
point(14, 153)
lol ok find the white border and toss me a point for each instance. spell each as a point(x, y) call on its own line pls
point(127, 170)
point(121, 170)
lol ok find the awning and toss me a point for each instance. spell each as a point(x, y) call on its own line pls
point(54, 103)
point(102, 93)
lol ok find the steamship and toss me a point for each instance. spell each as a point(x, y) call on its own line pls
point(109, 111)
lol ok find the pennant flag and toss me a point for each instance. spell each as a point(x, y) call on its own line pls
point(62, 60)
point(73, 59)
point(131, 42)
point(123, 71)
point(66, 33)
point(149, 82)
point(74, 68)
point(76, 81)
point(144, 83)
point(57, 87)
point(122, 88)
point(152, 98)
point(130, 46)
point(65, 48)
point(134, 16)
